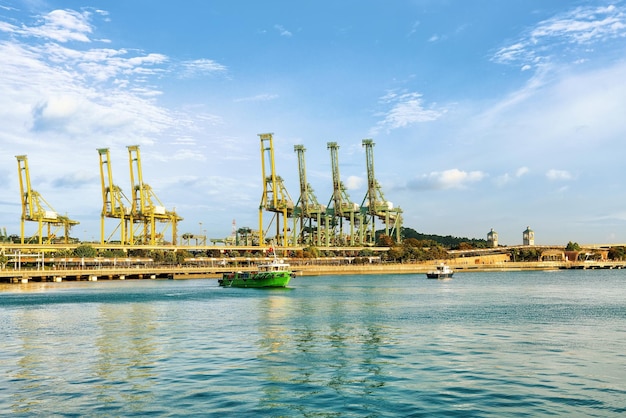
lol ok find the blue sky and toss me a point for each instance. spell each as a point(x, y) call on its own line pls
point(485, 114)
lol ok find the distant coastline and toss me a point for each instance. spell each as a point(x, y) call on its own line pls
point(422, 268)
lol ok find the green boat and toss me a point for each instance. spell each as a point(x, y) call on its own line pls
point(274, 274)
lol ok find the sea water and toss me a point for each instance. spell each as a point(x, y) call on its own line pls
point(480, 344)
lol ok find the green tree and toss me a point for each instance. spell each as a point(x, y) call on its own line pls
point(617, 253)
point(170, 257)
point(396, 254)
point(117, 253)
point(85, 250)
point(181, 255)
point(572, 246)
point(384, 241)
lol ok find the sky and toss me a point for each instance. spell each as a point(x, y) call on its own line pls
point(484, 113)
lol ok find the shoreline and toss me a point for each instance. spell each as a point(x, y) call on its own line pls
point(422, 268)
point(212, 272)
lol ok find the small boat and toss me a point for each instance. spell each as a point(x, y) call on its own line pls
point(442, 271)
point(273, 274)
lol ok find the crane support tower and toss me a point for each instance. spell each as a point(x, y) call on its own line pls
point(36, 209)
point(342, 207)
point(147, 207)
point(275, 198)
point(374, 204)
point(308, 210)
point(115, 204)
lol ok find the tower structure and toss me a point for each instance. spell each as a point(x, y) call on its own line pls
point(374, 204)
point(147, 207)
point(492, 238)
point(308, 211)
point(115, 204)
point(528, 236)
point(341, 206)
point(36, 209)
point(275, 197)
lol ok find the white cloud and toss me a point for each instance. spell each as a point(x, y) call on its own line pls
point(448, 179)
point(282, 31)
point(522, 171)
point(406, 109)
point(575, 29)
point(50, 88)
point(200, 67)
point(354, 182)
point(507, 178)
point(583, 24)
point(61, 26)
point(553, 174)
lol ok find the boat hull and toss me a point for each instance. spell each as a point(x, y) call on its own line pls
point(439, 275)
point(258, 280)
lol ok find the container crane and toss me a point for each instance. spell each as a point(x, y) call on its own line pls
point(114, 203)
point(375, 205)
point(342, 207)
point(310, 212)
point(275, 197)
point(36, 209)
point(146, 206)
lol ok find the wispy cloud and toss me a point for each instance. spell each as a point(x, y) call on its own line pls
point(54, 86)
point(571, 33)
point(405, 109)
point(61, 26)
point(201, 67)
point(414, 27)
point(258, 98)
point(506, 178)
point(74, 180)
point(448, 179)
point(282, 31)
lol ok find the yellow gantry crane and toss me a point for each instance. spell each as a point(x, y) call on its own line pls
point(36, 209)
point(275, 197)
point(312, 215)
point(114, 203)
point(374, 204)
point(146, 206)
point(342, 206)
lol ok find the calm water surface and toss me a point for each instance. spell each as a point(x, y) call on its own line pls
point(481, 344)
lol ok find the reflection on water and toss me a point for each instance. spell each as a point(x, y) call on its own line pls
point(125, 355)
point(478, 345)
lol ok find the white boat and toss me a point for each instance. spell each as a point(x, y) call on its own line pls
point(442, 271)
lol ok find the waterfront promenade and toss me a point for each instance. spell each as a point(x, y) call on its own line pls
point(300, 268)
